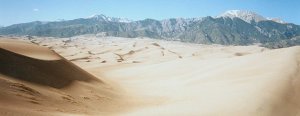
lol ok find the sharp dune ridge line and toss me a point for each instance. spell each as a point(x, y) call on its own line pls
point(89, 75)
point(25, 49)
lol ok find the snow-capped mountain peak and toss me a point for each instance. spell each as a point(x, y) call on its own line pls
point(278, 20)
point(103, 17)
point(247, 16)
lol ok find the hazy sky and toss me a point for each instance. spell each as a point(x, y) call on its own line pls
point(20, 11)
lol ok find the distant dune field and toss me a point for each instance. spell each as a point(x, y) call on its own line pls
point(88, 75)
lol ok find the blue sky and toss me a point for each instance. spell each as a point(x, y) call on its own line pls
point(21, 11)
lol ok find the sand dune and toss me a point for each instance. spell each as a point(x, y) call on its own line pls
point(146, 77)
point(29, 50)
point(37, 81)
point(262, 84)
point(39, 65)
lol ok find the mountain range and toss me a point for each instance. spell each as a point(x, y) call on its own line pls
point(234, 27)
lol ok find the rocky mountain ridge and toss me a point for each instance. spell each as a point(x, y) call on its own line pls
point(230, 28)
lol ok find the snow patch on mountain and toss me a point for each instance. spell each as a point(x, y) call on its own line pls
point(278, 20)
point(247, 16)
point(102, 17)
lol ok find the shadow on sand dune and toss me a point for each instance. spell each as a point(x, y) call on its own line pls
point(54, 73)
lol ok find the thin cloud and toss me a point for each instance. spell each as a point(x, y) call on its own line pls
point(36, 10)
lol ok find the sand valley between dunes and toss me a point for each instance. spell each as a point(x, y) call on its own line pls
point(109, 76)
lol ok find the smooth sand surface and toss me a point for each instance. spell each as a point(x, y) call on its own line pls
point(146, 77)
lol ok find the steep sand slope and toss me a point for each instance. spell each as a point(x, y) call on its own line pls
point(37, 81)
point(29, 50)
